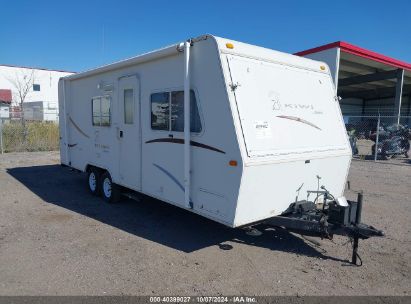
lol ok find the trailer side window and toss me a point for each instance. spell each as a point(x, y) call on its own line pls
point(177, 112)
point(160, 111)
point(101, 110)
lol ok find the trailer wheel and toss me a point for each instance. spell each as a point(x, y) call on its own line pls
point(110, 191)
point(93, 179)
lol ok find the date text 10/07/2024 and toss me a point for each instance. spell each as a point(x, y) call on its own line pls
point(203, 299)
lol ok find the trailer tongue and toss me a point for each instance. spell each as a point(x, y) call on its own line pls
point(332, 217)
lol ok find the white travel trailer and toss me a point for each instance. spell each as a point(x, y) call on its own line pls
point(266, 127)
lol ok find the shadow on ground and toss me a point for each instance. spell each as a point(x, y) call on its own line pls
point(150, 219)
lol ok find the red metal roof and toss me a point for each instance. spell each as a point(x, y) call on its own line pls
point(5, 96)
point(358, 51)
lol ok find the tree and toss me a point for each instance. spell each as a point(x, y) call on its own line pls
point(22, 83)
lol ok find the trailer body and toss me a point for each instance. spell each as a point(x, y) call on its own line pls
point(266, 128)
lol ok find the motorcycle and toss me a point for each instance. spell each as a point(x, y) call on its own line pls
point(396, 142)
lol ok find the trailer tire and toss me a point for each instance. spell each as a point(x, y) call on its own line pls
point(93, 178)
point(109, 190)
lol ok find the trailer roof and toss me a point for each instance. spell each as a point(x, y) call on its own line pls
point(238, 48)
point(153, 55)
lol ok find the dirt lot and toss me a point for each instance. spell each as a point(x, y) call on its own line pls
point(57, 239)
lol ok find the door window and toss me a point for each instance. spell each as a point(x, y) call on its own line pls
point(128, 106)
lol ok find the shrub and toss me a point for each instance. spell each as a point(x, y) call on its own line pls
point(36, 136)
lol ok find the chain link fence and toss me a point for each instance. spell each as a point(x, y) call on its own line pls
point(379, 137)
point(28, 135)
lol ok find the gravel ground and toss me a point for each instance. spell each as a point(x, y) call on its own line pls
point(57, 239)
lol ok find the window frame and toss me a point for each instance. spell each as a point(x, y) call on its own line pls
point(100, 97)
point(170, 91)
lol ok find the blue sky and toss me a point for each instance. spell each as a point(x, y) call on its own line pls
point(69, 34)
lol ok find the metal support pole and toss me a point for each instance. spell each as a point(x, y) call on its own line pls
point(187, 127)
point(398, 94)
point(357, 221)
point(377, 138)
point(409, 111)
point(1, 136)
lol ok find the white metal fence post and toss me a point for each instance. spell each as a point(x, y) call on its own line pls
point(377, 138)
point(1, 136)
point(398, 94)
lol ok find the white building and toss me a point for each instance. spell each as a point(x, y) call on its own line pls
point(41, 101)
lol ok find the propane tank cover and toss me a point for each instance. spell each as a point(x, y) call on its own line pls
point(342, 201)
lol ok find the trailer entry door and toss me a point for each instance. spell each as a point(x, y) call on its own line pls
point(129, 132)
point(285, 110)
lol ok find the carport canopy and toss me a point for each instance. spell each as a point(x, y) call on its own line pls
point(366, 75)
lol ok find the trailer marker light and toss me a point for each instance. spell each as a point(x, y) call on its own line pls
point(229, 45)
point(233, 163)
point(322, 67)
